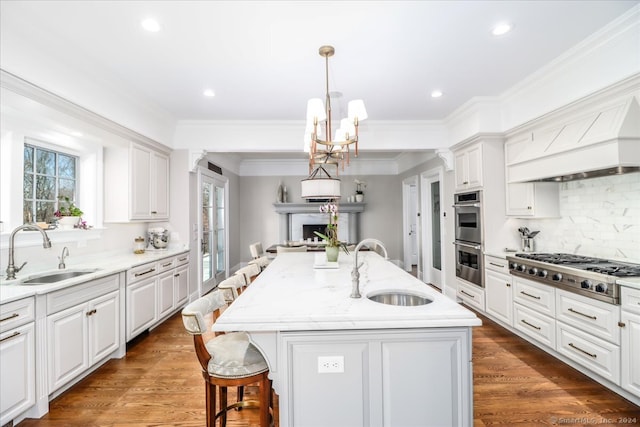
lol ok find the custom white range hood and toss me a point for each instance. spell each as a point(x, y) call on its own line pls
point(578, 144)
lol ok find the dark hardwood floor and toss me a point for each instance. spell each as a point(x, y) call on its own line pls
point(158, 383)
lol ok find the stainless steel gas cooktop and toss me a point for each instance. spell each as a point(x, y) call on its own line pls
point(588, 276)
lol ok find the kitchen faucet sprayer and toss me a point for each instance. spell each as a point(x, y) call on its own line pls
point(11, 268)
point(65, 253)
point(355, 274)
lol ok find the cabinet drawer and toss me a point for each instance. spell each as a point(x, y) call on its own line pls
point(182, 259)
point(141, 272)
point(74, 295)
point(630, 299)
point(472, 295)
point(594, 317)
point(16, 313)
point(497, 264)
point(538, 297)
point(538, 326)
point(597, 355)
point(166, 264)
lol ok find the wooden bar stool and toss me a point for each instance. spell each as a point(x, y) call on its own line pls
point(250, 272)
point(234, 284)
point(227, 360)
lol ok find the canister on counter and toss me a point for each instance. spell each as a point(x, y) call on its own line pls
point(138, 245)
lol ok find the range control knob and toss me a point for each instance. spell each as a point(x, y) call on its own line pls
point(601, 287)
point(522, 268)
point(513, 266)
point(585, 284)
point(533, 271)
point(557, 277)
point(542, 273)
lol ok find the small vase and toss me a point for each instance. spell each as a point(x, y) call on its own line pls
point(332, 253)
point(359, 198)
point(68, 222)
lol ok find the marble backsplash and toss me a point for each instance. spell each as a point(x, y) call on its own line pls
point(599, 217)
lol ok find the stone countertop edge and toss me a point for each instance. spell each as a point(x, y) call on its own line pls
point(107, 264)
point(290, 295)
point(633, 282)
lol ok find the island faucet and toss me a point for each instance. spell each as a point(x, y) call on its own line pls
point(355, 274)
point(11, 268)
point(61, 265)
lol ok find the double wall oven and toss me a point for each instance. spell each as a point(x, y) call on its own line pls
point(468, 231)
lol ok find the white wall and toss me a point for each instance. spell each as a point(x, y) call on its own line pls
point(599, 217)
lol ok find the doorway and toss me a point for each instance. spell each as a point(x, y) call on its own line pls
point(213, 263)
point(410, 225)
point(433, 227)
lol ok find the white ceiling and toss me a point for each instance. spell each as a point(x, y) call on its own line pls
point(261, 58)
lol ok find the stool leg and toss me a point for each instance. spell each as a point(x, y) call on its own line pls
point(265, 397)
point(223, 406)
point(240, 396)
point(210, 402)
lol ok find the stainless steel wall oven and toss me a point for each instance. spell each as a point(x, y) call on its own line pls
point(468, 232)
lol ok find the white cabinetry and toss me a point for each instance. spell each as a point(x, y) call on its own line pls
point(630, 340)
point(154, 291)
point(468, 168)
point(17, 358)
point(383, 374)
point(472, 295)
point(534, 310)
point(533, 200)
point(83, 327)
point(498, 289)
point(136, 184)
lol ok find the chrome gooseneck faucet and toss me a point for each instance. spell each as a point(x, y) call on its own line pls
point(65, 253)
point(355, 274)
point(46, 243)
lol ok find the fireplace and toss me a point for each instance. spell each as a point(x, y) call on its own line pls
point(308, 230)
point(295, 216)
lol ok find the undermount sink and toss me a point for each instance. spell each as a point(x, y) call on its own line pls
point(58, 276)
point(400, 298)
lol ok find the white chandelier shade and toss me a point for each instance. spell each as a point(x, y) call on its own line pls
point(317, 186)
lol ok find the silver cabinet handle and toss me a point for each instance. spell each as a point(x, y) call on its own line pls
point(13, 316)
point(15, 334)
point(529, 324)
point(497, 265)
point(582, 314)
point(167, 264)
point(529, 295)
point(151, 270)
point(182, 259)
point(572, 345)
point(467, 294)
point(467, 245)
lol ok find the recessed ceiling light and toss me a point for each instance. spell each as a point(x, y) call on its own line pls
point(436, 94)
point(150, 25)
point(501, 29)
point(209, 93)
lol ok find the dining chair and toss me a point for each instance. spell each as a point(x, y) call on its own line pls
point(281, 249)
point(250, 272)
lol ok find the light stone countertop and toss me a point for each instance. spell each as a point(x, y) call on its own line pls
point(632, 282)
point(291, 295)
point(106, 263)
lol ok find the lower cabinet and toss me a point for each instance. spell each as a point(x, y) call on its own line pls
point(17, 358)
point(154, 291)
point(394, 378)
point(471, 295)
point(498, 291)
point(85, 333)
point(630, 340)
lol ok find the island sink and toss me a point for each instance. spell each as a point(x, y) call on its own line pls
point(399, 298)
point(58, 276)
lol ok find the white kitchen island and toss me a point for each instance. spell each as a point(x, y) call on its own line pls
point(387, 365)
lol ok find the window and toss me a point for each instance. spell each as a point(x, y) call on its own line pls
point(48, 174)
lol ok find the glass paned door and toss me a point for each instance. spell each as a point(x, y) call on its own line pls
point(213, 249)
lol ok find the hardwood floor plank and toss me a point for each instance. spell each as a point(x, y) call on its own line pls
point(158, 383)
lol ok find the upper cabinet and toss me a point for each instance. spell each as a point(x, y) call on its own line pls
point(136, 184)
point(468, 167)
point(533, 200)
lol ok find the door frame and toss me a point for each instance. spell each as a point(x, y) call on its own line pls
point(425, 196)
point(406, 221)
point(203, 172)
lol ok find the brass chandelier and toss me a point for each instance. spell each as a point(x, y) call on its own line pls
point(322, 148)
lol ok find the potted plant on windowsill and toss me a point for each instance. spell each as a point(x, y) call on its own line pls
point(330, 238)
point(68, 214)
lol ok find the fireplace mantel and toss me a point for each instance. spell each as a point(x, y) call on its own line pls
point(289, 208)
point(286, 210)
